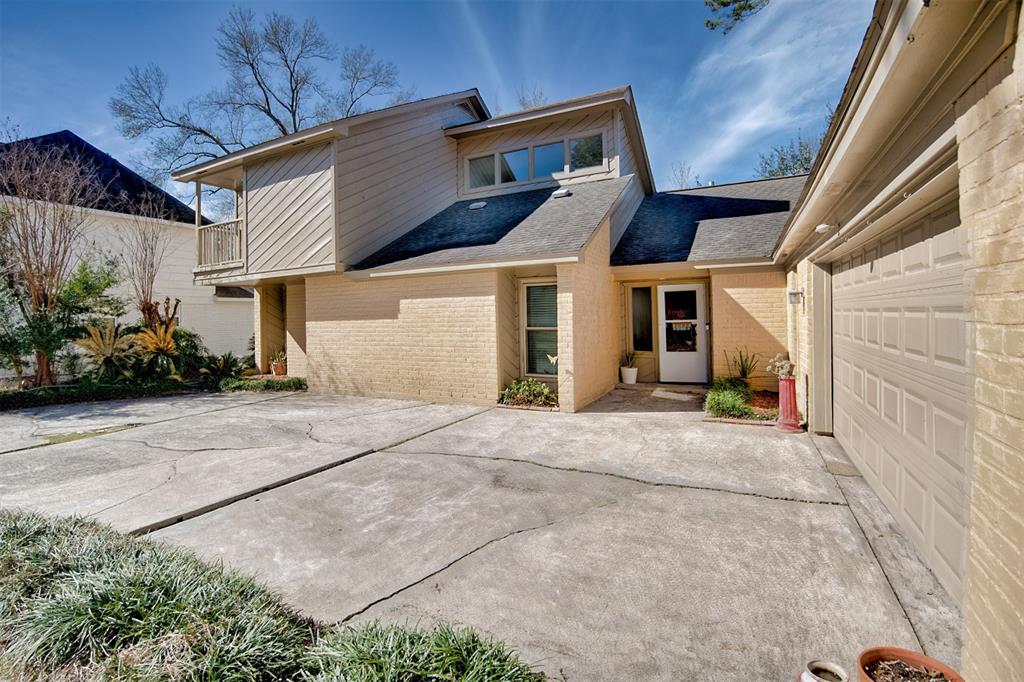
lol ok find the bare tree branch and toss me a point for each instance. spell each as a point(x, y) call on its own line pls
point(45, 194)
point(531, 97)
point(144, 245)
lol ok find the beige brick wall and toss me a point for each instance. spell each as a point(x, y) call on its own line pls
point(268, 323)
point(748, 311)
point(990, 133)
point(589, 342)
point(295, 329)
point(800, 331)
point(430, 338)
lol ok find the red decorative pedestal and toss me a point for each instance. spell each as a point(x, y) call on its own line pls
point(789, 420)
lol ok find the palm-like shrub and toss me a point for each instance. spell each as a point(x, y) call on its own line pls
point(158, 350)
point(220, 367)
point(109, 351)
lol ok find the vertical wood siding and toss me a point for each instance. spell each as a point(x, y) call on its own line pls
point(289, 219)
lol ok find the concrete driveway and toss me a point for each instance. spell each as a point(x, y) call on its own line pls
point(611, 545)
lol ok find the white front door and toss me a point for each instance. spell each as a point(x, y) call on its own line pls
point(682, 333)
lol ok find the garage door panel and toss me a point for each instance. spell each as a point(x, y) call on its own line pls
point(900, 381)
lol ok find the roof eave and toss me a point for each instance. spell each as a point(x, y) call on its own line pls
point(323, 131)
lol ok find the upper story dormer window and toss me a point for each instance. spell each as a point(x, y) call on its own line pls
point(559, 159)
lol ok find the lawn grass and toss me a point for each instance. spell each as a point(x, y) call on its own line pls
point(80, 601)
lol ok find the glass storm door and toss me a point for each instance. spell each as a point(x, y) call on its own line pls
point(682, 333)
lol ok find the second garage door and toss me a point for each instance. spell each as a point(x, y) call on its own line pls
point(900, 381)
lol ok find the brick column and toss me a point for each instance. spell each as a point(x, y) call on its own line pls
point(990, 133)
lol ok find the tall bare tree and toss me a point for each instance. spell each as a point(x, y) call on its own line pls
point(683, 176)
point(530, 97)
point(144, 245)
point(45, 194)
point(274, 85)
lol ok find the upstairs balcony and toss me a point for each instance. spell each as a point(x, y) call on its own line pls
point(220, 246)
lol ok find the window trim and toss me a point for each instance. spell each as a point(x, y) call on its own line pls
point(524, 284)
point(565, 173)
point(653, 286)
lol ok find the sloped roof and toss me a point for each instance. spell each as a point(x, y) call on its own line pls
point(124, 189)
point(530, 224)
point(723, 222)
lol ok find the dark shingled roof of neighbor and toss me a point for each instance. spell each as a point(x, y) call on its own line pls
point(723, 222)
point(124, 189)
point(530, 224)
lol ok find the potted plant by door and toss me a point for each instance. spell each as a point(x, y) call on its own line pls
point(892, 664)
point(277, 363)
point(789, 418)
point(628, 369)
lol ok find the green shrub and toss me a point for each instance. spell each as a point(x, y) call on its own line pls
point(529, 392)
point(737, 384)
point(86, 391)
point(289, 384)
point(219, 367)
point(81, 601)
point(722, 401)
point(191, 352)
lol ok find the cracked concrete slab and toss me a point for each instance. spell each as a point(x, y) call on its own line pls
point(336, 544)
point(152, 475)
point(656, 447)
point(673, 585)
point(590, 576)
point(27, 428)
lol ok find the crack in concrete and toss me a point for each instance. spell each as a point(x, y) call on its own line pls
point(220, 504)
point(492, 541)
point(314, 425)
point(174, 472)
point(657, 484)
point(871, 547)
point(189, 451)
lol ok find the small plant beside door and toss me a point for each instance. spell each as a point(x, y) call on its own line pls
point(628, 370)
point(277, 363)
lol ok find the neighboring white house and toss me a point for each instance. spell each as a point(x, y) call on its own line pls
point(223, 316)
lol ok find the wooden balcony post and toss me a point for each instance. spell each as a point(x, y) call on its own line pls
point(199, 223)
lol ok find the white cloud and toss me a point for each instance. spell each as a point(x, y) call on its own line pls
point(482, 47)
point(769, 77)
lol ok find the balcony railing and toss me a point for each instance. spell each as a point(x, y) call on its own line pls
point(219, 244)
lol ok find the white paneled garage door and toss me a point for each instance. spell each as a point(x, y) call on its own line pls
point(900, 381)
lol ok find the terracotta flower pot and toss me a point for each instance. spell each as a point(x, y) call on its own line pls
point(277, 369)
point(892, 653)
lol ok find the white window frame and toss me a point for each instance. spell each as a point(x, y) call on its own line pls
point(524, 329)
point(495, 155)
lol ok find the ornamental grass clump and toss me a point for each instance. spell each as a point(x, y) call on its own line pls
point(80, 601)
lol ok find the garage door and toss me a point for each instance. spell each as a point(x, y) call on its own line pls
point(900, 381)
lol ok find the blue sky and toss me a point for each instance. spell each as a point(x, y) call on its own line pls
point(707, 100)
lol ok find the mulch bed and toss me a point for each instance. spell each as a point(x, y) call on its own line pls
point(900, 671)
point(765, 403)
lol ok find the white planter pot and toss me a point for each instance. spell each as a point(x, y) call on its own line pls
point(628, 374)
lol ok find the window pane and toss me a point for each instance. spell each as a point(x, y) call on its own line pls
point(642, 336)
point(540, 345)
point(541, 306)
point(515, 166)
point(681, 305)
point(680, 337)
point(481, 172)
point(548, 159)
point(586, 152)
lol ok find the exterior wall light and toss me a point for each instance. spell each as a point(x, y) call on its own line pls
point(796, 297)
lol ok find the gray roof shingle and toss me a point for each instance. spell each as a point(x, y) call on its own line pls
point(723, 222)
point(525, 224)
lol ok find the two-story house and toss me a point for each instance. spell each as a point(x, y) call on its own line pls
point(431, 250)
